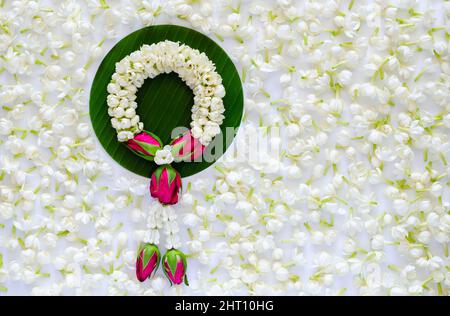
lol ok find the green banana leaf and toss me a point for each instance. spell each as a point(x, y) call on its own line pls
point(164, 102)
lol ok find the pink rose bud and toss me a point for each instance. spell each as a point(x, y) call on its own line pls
point(186, 148)
point(145, 145)
point(165, 185)
point(174, 264)
point(147, 261)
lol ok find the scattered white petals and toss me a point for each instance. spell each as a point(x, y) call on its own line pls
point(356, 201)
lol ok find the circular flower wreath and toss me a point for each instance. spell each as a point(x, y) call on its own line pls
point(198, 72)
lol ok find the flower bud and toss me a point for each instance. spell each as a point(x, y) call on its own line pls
point(174, 264)
point(186, 148)
point(145, 145)
point(165, 185)
point(147, 261)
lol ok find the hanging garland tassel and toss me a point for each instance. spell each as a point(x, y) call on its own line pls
point(198, 72)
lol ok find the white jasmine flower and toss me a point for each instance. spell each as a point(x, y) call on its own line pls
point(6, 126)
point(164, 156)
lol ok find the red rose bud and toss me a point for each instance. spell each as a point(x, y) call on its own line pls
point(165, 185)
point(186, 148)
point(147, 261)
point(174, 265)
point(145, 145)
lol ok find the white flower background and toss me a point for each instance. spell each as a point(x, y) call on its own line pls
point(356, 203)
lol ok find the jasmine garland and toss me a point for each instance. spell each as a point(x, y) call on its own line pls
point(199, 73)
point(193, 67)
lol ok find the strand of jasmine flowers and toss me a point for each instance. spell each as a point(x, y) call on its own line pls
point(193, 67)
point(170, 227)
point(154, 223)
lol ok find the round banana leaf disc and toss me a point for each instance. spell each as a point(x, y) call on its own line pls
point(164, 102)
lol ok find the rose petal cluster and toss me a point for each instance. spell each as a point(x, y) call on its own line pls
point(186, 147)
point(165, 185)
point(175, 266)
point(147, 261)
point(145, 145)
